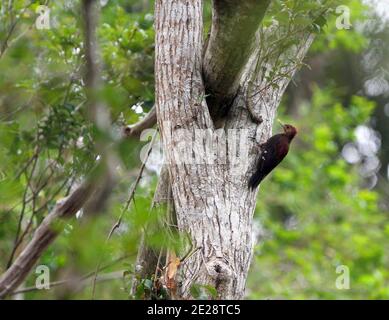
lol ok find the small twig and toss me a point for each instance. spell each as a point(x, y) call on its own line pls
point(5, 44)
point(44, 235)
point(136, 129)
point(189, 254)
point(132, 193)
point(24, 204)
point(120, 219)
point(157, 267)
point(62, 282)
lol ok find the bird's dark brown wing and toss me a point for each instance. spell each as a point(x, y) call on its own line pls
point(273, 152)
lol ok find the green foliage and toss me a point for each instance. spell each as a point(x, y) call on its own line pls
point(351, 39)
point(201, 292)
point(47, 140)
point(324, 219)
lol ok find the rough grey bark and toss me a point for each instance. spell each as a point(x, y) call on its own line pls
point(212, 201)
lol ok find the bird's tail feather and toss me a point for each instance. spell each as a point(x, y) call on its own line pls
point(256, 179)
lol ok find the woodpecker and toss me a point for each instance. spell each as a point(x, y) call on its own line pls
point(274, 151)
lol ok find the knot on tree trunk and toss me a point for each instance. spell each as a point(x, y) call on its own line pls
point(221, 272)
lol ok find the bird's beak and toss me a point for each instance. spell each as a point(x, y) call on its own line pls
point(282, 125)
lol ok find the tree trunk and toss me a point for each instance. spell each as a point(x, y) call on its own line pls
point(230, 45)
point(208, 167)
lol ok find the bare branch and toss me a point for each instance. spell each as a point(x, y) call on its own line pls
point(53, 224)
point(83, 278)
point(5, 45)
point(17, 240)
point(230, 44)
point(134, 130)
point(80, 283)
point(97, 111)
point(125, 208)
point(45, 234)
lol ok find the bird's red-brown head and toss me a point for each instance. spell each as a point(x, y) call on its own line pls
point(289, 131)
